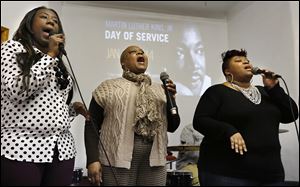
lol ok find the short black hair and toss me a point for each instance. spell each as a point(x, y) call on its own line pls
point(226, 56)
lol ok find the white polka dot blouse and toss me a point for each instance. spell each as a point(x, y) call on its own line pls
point(33, 121)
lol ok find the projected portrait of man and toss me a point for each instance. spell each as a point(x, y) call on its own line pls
point(190, 63)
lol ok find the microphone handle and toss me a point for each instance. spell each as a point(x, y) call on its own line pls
point(271, 75)
point(173, 108)
point(62, 49)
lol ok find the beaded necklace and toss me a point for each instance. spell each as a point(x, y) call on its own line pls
point(251, 93)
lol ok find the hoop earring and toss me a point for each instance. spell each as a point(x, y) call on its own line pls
point(231, 76)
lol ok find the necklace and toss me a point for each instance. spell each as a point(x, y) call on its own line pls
point(250, 93)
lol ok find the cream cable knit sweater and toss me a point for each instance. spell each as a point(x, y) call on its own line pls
point(117, 98)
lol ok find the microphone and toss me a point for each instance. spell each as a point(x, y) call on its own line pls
point(61, 46)
point(164, 78)
point(256, 71)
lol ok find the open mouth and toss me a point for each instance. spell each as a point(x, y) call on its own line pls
point(248, 68)
point(140, 60)
point(47, 31)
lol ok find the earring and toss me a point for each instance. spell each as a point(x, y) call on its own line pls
point(231, 76)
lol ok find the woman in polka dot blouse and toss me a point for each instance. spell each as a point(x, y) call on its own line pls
point(37, 147)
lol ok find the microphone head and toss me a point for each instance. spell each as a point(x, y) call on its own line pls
point(51, 33)
point(256, 71)
point(164, 76)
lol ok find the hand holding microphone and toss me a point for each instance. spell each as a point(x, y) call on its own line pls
point(270, 79)
point(268, 74)
point(56, 44)
point(170, 89)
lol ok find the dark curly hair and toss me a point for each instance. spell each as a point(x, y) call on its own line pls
point(226, 56)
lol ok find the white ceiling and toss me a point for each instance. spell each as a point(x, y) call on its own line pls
point(208, 9)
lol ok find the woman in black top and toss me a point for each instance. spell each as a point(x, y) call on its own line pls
point(240, 123)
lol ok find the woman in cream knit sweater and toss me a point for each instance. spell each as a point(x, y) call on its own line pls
point(126, 143)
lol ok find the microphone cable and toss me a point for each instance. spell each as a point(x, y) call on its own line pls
point(290, 103)
point(95, 130)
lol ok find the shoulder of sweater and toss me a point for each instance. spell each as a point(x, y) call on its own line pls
point(113, 81)
point(110, 83)
point(216, 87)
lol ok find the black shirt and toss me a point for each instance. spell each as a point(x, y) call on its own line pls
point(222, 112)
